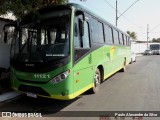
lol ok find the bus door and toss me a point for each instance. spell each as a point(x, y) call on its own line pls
point(83, 71)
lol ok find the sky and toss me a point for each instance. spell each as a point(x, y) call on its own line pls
point(135, 19)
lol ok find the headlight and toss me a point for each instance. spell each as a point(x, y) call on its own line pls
point(60, 77)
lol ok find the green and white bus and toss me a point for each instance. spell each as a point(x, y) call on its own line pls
point(62, 51)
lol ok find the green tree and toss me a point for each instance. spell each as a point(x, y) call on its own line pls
point(153, 40)
point(156, 40)
point(21, 7)
point(132, 35)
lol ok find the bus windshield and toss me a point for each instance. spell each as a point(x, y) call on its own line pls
point(43, 41)
point(155, 47)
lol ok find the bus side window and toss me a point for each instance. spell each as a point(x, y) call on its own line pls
point(108, 34)
point(116, 38)
point(76, 35)
point(125, 40)
point(121, 38)
point(101, 35)
point(129, 41)
point(95, 30)
point(85, 38)
point(81, 42)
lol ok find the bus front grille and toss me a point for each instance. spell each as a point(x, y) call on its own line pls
point(33, 89)
point(35, 82)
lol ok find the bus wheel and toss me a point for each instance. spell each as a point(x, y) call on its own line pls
point(131, 61)
point(124, 67)
point(97, 81)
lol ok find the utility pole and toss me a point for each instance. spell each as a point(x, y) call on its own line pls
point(124, 11)
point(147, 34)
point(116, 13)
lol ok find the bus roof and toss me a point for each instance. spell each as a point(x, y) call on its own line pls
point(77, 7)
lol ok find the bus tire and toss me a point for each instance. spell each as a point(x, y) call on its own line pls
point(131, 61)
point(97, 81)
point(124, 66)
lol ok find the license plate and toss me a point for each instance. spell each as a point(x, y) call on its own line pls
point(32, 95)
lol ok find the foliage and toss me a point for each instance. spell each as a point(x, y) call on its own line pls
point(21, 7)
point(132, 35)
point(156, 40)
